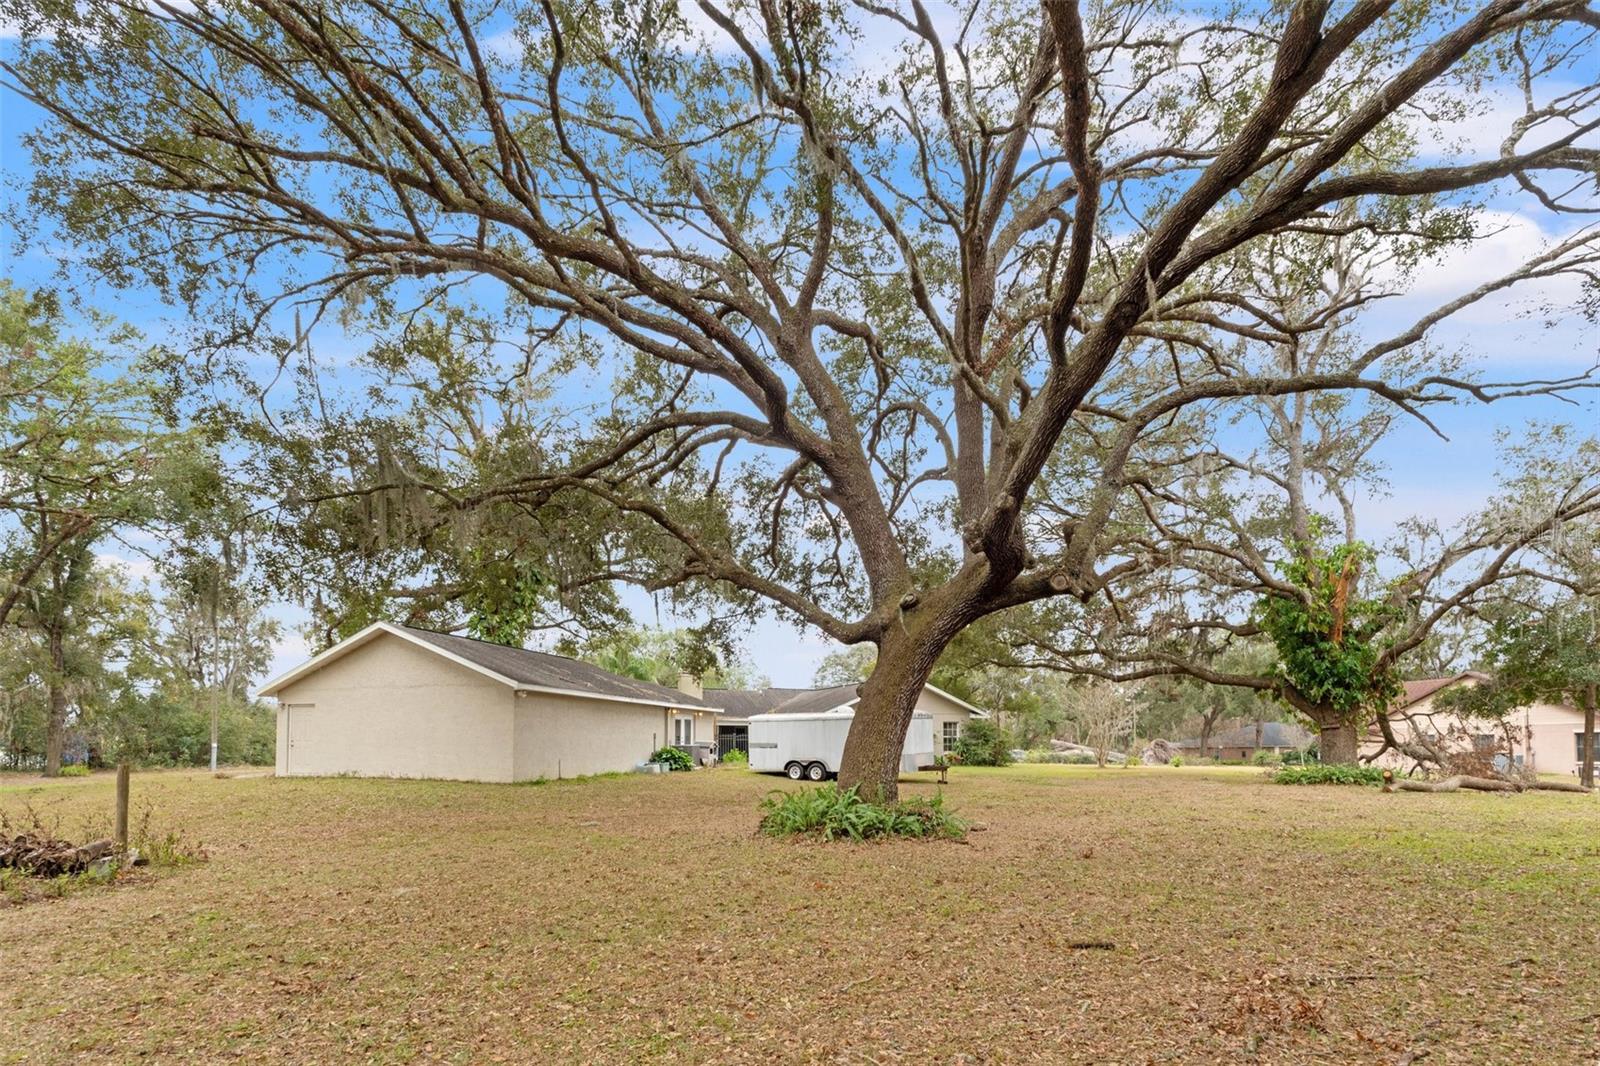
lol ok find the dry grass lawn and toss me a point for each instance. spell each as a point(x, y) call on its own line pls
point(641, 919)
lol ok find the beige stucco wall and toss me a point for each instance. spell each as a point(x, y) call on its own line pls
point(943, 710)
point(392, 709)
point(1542, 734)
point(566, 736)
point(705, 727)
point(1552, 737)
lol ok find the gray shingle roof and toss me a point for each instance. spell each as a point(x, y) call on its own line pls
point(742, 703)
point(1422, 688)
point(747, 703)
point(553, 671)
point(816, 700)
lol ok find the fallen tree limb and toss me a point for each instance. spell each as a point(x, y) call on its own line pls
point(1559, 786)
point(1456, 783)
point(1480, 784)
point(41, 856)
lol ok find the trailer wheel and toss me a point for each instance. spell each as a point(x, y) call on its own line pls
point(816, 772)
point(795, 771)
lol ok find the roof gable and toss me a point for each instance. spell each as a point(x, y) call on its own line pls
point(518, 668)
point(1420, 689)
point(977, 712)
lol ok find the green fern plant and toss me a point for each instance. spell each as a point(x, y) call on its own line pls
point(834, 814)
point(1329, 774)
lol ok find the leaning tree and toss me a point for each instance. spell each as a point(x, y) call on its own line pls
point(813, 293)
point(1258, 524)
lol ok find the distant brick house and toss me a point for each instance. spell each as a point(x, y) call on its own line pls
point(1242, 743)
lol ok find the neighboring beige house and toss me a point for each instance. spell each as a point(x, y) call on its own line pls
point(392, 701)
point(950, 713)
point(1544, 737)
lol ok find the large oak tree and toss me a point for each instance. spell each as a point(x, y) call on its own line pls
point(821, 310)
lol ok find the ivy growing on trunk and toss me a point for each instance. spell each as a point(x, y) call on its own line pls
point(1328, 635)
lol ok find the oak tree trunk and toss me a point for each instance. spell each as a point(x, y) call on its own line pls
point(1586, 773)
point(56, 725)
point(906, 657)
point(1336, 740)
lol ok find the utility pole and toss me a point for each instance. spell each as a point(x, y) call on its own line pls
point(215, 714)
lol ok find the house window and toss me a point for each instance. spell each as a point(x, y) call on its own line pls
point(1483, 742)
point(950, 732)
point(683, 730)
point(1577, 744)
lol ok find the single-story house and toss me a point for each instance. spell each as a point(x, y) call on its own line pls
point(1543, 737)
point(1243, 743)
point(950, 713)
point(394, 701)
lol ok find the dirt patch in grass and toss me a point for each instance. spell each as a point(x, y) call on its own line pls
point(644, 919)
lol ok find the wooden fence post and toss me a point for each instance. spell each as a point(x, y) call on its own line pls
point(122, 808)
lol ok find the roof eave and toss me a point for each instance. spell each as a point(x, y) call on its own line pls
point(365, 636)
point(550, 690)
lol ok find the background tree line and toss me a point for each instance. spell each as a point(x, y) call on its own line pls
point(94, 665)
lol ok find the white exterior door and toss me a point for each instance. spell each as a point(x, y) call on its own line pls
point(683, 730)
point(291, 712)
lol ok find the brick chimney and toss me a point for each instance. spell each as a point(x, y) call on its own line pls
point(689, 685)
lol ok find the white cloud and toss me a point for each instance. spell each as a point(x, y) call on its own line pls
point(1507, 238)
point(1485, 122)
point(134, 567)
point(703, 31)
point(1521, 323)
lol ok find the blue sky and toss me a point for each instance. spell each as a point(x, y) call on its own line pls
point(1430, 477)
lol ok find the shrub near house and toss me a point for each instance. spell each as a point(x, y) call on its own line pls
point(673, 759)
point(983, 743)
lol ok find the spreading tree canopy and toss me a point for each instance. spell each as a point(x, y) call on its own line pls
point(805, 298)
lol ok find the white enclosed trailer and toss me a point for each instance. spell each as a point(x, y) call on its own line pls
point(811, 745)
